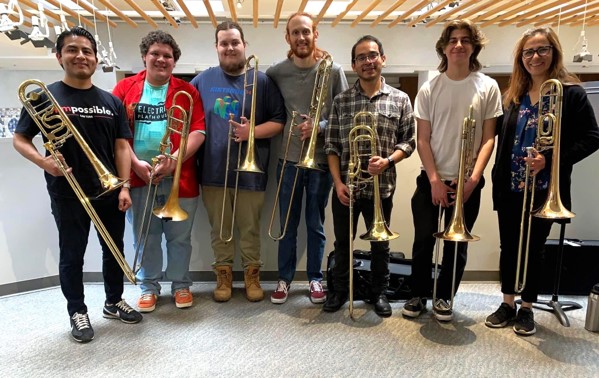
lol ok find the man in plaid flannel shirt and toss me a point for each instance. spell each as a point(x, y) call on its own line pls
point(394, 126)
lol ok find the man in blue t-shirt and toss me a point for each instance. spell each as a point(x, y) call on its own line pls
point(222, 90)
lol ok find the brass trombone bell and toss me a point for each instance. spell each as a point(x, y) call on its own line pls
point(319, 95)
point(249, 164)
point(378, 230)
point(456, 231)
point(171, 209)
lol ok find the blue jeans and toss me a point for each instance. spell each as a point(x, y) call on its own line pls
point(178, 240)
point(317, 185)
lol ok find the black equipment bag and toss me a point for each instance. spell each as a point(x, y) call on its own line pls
point(400, 270)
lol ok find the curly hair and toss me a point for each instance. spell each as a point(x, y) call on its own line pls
point(477, 38)
point(159, 36)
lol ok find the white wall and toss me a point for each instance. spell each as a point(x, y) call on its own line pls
point(28, 241)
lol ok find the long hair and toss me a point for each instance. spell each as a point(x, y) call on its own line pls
point(317, 53)
point(477, 38)
point(521, 81)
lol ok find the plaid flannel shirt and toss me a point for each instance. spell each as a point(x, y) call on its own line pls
point(394, 126)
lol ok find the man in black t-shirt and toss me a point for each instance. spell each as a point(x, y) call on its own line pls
point(101, 120)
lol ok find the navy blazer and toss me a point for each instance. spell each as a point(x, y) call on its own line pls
point(579, 139)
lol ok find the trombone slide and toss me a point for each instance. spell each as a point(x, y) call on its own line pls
point(456, 230)
point(56, 127)
point(250, 162)
point(378, 230)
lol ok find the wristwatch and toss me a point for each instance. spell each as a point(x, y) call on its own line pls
point(127, 185)
point(391, 162)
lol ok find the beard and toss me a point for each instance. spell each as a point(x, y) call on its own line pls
point(303, 53)
point(233, 67)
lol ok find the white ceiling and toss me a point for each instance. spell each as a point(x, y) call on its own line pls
point(384, 13)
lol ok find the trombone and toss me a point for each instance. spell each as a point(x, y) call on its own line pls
point(171, 209)
point(457, 231)
point(249, 164)
point(378, 230)
point(548, 136)
point(56, 127)
point(319, 93)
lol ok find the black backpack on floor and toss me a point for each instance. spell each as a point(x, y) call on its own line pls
point(400, 270)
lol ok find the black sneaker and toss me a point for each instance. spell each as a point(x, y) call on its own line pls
point(500, 318)
point(414, 307)
point(335, 301)
point(442, 310)
point(121, 311)
point(81, 328)
point(525, 322)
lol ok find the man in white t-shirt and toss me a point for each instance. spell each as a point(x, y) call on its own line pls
point(440, 108)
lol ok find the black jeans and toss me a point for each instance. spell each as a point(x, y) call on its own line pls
point(379, 264)
point(73, 225)
point(509, 214)
point(426, 216)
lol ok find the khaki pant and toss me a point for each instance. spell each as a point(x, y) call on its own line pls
point(246, 229)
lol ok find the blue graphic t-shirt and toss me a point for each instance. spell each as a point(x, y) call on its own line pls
point(150, 122)
point(526, 133)
point(222, 95)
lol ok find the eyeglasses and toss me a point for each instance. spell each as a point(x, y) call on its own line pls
point(371, 57)
point(541, 51)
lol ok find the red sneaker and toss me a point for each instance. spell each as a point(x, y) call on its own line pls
point(317, 294)
point(147, 302)
point(183, 298)
point(279, 296)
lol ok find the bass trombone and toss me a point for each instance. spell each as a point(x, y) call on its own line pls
point(56, 127)
point(548, 137)
point(378, 230)
point(249, 164)
point(171, 209)
point(457, 231)
point(319, 94)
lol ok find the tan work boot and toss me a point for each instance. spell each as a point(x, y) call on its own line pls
point(253, 291)
point(224, 283)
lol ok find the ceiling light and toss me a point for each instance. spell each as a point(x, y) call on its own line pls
point(239, 4)
point(584, 54)
point(12, 8)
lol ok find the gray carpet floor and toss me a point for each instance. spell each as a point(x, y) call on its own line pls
point(296, 339)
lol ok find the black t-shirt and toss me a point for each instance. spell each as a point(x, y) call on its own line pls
point(100, 118)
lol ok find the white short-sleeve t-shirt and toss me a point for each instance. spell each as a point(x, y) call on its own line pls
point(445, 103)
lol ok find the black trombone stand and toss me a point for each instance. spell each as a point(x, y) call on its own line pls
point(554, 305)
